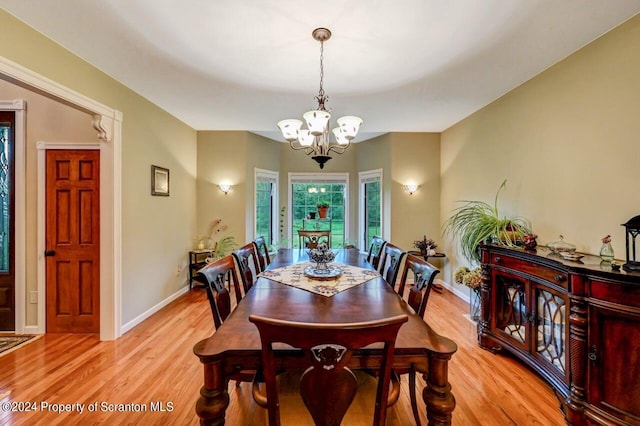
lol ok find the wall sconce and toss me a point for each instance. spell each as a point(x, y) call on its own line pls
point(411, 188)
point(225, 187)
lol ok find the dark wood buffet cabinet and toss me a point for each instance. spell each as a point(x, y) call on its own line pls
point(577, 323)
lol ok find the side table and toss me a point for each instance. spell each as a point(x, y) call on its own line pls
point(197, 259)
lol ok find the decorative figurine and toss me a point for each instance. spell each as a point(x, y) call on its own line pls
point(606, 251)
point(530, 241)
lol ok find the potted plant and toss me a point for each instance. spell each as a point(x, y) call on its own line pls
point(476, 222)
point(323, 207)
point(426, 246)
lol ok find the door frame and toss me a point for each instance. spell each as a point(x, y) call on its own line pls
point(108, 124)
point(18, 106)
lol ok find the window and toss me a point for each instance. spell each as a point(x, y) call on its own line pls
point(266, 202)
point(370, 221)
point(306, 190)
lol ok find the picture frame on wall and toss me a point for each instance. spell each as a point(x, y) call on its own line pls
point(159, 181)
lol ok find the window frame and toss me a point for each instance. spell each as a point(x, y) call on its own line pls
point(365, 177)
point(273, 177)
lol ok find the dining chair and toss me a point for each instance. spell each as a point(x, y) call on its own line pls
point(390, 263)
point(375, 251)
point(423, 275)
point(248, 264)
point(263, 252)
point(310, 238)
point(219, 276)
point(327, 386)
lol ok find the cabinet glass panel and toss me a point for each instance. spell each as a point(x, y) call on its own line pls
point(511, 311)
point(551, 328)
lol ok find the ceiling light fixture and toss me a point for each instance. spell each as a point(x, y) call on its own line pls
point(315, 138)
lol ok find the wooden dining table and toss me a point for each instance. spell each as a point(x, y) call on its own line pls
point(235, 346)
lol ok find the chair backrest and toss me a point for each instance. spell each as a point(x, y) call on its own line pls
point(248, 264)
point(219, 276)
point(328, 386)
point(390, 263)
point(375, 251)
point(263, 252)
point(312, 238)
point(424, 275)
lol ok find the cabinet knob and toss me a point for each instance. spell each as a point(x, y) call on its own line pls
point(497, 259)
point(560, 278)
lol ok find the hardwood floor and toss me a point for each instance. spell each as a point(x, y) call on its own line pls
point(152, 367)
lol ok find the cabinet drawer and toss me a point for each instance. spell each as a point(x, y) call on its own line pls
point(617, 293)
point(555, 276)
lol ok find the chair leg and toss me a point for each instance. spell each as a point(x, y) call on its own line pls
point(412, 394)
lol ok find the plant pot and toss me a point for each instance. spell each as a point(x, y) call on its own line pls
point(322, 212)
point(312, 215)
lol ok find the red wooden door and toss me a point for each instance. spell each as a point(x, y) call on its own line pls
point(73, 241)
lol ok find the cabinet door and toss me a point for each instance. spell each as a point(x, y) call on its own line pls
point(614, 362)
point(550, 331)
point(510, 319)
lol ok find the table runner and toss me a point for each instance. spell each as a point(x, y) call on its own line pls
point(293, 275)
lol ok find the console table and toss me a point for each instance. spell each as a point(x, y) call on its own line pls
point(577, 323)
point(197, 259)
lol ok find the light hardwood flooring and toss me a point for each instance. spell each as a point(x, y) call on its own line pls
point(153, 366)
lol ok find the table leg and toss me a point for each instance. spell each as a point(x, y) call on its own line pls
point(214, 398)
point(437, 394)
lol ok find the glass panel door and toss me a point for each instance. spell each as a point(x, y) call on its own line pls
point(305, 215)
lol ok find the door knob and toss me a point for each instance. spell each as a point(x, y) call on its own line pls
point(49, 252)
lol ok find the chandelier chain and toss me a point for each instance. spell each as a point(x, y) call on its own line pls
point(321, 98)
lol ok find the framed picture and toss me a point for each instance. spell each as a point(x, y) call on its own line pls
point(159, 181)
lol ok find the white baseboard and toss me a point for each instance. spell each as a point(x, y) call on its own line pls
point(143, 316)
point(32, 329)
point(455, 290)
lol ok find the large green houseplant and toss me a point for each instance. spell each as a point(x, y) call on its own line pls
point(476, 222)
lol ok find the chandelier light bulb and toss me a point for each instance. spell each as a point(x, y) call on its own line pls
point(349, 125)
point(290, 129)
point(340, 137)
point(305, 137)
point(317, 121)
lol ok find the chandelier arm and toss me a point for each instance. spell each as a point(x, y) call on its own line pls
point(339, 149)
point(298, 148)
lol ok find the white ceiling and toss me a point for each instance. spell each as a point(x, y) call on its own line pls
point(403, 65)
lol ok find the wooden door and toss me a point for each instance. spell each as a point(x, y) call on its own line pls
point(7, 222)
point(73, 241)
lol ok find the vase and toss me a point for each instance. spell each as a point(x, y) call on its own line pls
point(606, 252)
point(474, 304)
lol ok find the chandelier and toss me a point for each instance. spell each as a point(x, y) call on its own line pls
point(315, 138)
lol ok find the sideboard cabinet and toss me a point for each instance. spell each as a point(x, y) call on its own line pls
point(577, 323)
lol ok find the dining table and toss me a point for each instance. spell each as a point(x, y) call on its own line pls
point(235, 346)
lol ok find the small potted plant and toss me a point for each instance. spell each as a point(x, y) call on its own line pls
point(426, 246)
point(323, 207)
point(476, 222)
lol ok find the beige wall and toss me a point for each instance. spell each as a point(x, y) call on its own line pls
point(415, 158)
point(566, 141)
point(231, 157)
point(156, 231)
